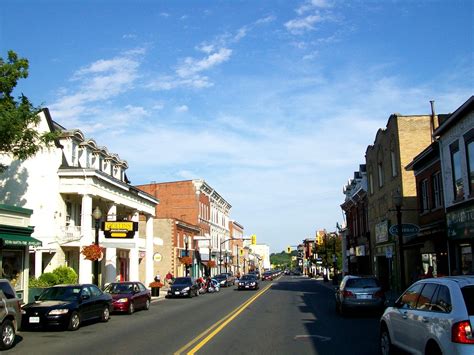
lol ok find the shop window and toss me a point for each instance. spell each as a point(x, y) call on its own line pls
point(458, 185)
point(12, 263)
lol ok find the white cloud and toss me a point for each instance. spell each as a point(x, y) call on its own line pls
point(301, 25)
point(182, 108)
point(311, 5)
point(192, 66)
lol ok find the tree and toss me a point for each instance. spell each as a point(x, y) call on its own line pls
point(18, 118)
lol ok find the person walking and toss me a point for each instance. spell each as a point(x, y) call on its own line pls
point(169, 278)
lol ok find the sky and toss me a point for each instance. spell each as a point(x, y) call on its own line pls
point(272, 103)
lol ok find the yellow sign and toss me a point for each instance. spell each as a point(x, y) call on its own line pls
point(157, 257)
point(241, 252)
point(121, 229)
point(253, 239)
point(288, 250)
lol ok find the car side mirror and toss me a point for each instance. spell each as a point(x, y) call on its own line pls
point(37, 297)
point(85, 297)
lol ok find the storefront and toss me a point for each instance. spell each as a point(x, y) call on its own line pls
point(461, 239)
point(15, 240)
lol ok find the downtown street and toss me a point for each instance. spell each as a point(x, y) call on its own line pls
point(292, 314)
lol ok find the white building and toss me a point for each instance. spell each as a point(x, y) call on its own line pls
point(262, 252)
point(63, 184)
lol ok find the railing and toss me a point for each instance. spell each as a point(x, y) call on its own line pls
point(69, 234)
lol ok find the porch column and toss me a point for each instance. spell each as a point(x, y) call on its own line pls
point(134, 270)
point(38, 263)
point(110, 265)
point(112, 213)
point(149, 266)
point(85, 266)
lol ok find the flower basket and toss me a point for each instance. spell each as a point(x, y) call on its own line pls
point(156, 284)
point(92, 252)
point(186, 260)
point(211, 263)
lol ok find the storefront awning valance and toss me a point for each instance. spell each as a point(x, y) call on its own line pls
point(20, 240)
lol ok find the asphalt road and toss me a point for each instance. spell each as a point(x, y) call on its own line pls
point(294, 316)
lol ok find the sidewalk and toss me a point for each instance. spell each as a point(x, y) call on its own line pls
point(161, 297)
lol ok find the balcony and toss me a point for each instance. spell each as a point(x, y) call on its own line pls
point(69, 234)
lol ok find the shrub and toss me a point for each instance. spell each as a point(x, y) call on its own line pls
point(66, 275)
point(49, 279)
point(34, 282)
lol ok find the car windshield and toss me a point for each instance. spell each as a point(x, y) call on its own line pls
point(119, 288)
point(468, 294)
point(220, 277)
point(248, 278)
point(60, 294)
point(362, 283)
point(182, 281)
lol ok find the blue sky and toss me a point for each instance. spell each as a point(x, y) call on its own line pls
point(273, 103)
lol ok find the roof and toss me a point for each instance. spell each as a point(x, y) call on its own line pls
point(455, 117)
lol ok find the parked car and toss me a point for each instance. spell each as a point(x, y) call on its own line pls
point(230, 278)
point(359, 293)
point(10, 315)
point(223, 279)
point(248, 282)
point(433, 316)
point(267, 275)
point(184, 286)
point(216, 284)
point(128, 296)
point(67, 306)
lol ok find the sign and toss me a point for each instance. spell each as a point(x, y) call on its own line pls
point(381, 232)
point(157, 257)
point(461, 223)
point(388, 252)
point(360, 250)
point(408, 230)
point(122, 229)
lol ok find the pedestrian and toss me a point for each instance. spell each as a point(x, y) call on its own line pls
point(157, 278)
point(169, 278)
point(429, 273)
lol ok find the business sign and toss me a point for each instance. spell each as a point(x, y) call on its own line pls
point(381, 232)
point(123, 229)
point(461, 223)
point(408, 230)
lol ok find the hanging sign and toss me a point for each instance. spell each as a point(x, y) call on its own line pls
point(123, 229)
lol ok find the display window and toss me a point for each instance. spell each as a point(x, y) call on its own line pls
point(13, 267)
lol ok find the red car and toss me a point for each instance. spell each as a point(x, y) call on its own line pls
point(129, 296)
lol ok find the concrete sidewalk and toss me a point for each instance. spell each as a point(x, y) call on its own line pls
point(162, 295)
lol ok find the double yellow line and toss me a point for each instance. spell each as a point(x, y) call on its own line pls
point(209, 333)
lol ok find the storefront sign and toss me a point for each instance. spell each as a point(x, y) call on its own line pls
point(408, 230)
point(157, 257)
point(123, 229)
point(461, 223)
point(381, 232)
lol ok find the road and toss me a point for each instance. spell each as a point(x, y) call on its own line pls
point(291, 315)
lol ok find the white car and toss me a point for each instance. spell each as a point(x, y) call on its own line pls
point(433, 316)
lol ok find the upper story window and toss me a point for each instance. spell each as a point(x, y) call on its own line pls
point(425, 202)
point(380, 174)
point(469, 138)
point(437, 186)
point(371, 184)
point(458, 184)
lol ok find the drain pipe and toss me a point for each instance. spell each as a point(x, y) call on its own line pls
point(433, 115)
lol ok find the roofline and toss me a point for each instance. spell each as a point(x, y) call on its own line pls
point(454, 116)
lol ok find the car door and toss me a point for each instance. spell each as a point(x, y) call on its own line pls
point(97, 301)
point(399, 317)
point(86, 305)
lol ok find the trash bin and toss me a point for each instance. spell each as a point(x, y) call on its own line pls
point(155, 291)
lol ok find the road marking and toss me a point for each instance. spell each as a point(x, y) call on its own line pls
point(218, 326)
point(320, 337)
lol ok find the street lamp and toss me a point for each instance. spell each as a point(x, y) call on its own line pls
point(186, 241)
point(97, 214)
point(398, 201)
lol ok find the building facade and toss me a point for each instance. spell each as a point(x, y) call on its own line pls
point(236, 231)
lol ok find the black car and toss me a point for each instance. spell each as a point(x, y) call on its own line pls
point(248, 282)
point(183, 287)
point(267, 275)
point(67, 306)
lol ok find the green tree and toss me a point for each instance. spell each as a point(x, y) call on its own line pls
point(18, 117)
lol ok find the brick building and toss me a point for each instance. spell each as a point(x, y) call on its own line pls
point(236, 231)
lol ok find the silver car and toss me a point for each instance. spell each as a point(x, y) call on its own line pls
point(10, 314)
point(359, 293)
point(433, 316)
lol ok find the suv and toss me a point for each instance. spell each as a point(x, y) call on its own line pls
point(433, 316)
point(10, 314)
point(359, 293)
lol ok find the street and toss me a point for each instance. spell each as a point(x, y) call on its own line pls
point(290, 315)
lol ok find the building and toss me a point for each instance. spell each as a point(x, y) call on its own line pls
point(357, 233)
point(456, 148)
point(262, 255)
point(197, 203)
point(236, 231)
point(394, 147)
point(62, 185)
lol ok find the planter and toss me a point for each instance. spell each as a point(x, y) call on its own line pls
point(155, 291)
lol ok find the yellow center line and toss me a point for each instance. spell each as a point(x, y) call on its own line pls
point(217, 324)
point(229, 319)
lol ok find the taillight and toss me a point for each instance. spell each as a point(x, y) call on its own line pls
point(462, 333)
point(378, 294)
point(348, 294)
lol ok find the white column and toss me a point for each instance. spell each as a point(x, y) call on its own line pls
point(134, 272)
point(111, 213)
point(38, 263)
point(85, 266)
point(149, 269)
point(110, 265)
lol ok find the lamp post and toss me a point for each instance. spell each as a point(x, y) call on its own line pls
point(186, 252)
point(97, 214)
point(398, 201)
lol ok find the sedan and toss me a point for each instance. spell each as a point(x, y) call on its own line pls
point(359, 293)
point(129, 296)
point(183, 287)
point(267, 275)
point(67, 306)
point(248, 282)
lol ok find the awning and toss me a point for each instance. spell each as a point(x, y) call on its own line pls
point(20, 240)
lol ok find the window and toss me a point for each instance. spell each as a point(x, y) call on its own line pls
point(380, 172)
point(409, 299)
point(470, 164)
point(442, 300)
point(12, 263)
point(458, 185)
point(424, 196)
point(437, 186)
point(371, 184)
point(394, 163)
point(74, 153)
point(425, 299)
point(95, 291)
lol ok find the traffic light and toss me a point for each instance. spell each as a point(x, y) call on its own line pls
point(288, 250)
point(253, 239)
point(241, 252)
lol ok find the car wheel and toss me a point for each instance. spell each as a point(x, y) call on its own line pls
point(7, 335)
point(433, 349)
point(386, 347)
point(131, 308)
point(74, 321)
point(105, 314)
point(147, 304)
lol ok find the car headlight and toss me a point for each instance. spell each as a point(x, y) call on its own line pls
point(252, 284)
point(122, 300)
point(59, 311)
point(186, 289)
point(241, 284)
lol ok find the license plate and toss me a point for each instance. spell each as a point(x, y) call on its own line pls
point(176, 293)
point(365, 297)
point(247, 286)
point(34, 319)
